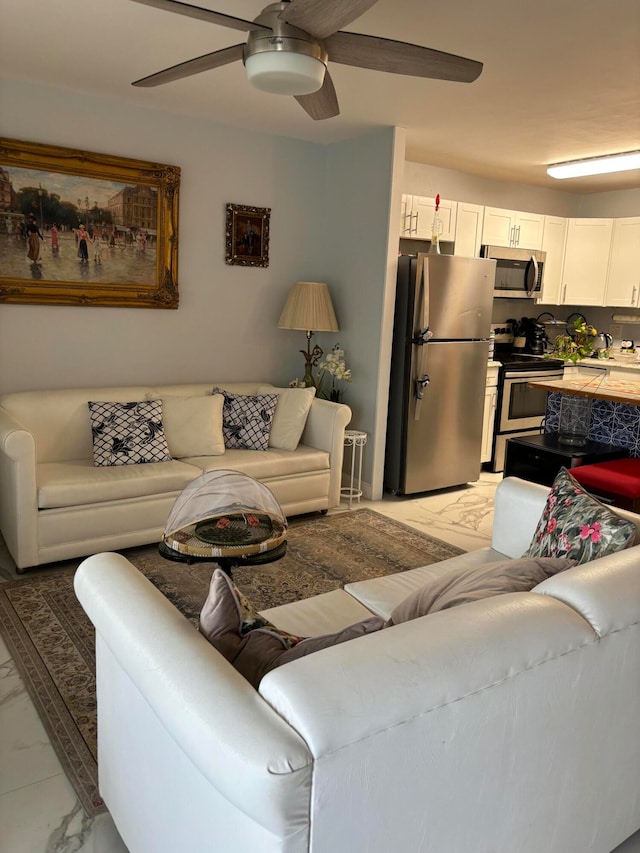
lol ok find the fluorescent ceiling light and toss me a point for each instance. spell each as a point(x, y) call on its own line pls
point(596, 165)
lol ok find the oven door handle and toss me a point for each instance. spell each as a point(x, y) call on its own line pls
point(533, 374)
point(533, 262)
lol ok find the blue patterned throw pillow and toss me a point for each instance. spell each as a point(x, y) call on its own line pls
point(247, 419)
point(128, 433)
point(574, 524)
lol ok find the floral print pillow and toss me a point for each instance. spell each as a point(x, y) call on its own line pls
point(574, 524)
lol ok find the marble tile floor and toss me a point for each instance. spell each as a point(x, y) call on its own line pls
point(39, 812)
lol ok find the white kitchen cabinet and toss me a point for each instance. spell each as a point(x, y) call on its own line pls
point(586, 260)
point(623, 277)
point(417, 218)
point(554, 238)
point(469, 229)
point(512, 228)
point(490, 404)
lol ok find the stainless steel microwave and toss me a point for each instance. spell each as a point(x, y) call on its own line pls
point(519, 272)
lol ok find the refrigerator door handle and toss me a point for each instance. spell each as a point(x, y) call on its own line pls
point(422, 334)
point(421, 384)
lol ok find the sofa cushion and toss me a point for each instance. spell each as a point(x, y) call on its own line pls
point(80, 483)
point(250, 642)
point(381, 595)
point(266, 464)
point(574, 524)
point(459, 587)
point(290, 415)
point(247, 419)
point(128, 433)
point(193, 425)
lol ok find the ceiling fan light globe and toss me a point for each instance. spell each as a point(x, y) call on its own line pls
point(285, 73)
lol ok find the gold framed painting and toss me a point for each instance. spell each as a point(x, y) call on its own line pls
point(81, 228)
point(247, 235)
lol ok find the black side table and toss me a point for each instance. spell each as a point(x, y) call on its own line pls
point(227, 564)
point(538, 458)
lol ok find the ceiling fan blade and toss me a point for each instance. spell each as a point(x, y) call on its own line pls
point(322, 18)
point(192, 66)
point(399, 57)
point(203, 14)
point(323, 103)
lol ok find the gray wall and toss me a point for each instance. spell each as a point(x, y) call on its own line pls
point(225, 327)
point(329, 222)
point(363, 225)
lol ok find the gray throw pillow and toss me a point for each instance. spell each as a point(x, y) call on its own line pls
point(250, 642)
point(459, 587)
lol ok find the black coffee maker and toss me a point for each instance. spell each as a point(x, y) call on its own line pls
point(536, 339)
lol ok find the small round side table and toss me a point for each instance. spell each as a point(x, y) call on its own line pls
point(356, 440)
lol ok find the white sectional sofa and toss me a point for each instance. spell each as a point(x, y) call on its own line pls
point(55, 504)
point(503, 725)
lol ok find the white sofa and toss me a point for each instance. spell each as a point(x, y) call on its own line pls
point(507, 724)
point(55, 504)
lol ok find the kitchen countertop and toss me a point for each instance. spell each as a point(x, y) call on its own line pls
point(597, 388)
point(600, 363)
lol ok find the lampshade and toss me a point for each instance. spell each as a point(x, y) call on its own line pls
point(596, 165)
point(284, 73)
point(309, 308)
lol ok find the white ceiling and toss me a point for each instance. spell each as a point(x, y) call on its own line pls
point(561, 78)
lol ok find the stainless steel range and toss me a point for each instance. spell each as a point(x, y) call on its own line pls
point(521, 409)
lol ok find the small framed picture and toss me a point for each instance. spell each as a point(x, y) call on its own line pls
point(247, 235)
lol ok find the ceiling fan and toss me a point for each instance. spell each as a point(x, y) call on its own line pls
point(290, 43)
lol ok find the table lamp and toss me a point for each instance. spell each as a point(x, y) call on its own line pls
point(309, 309)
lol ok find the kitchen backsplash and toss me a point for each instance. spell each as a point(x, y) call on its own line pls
point(601, 318)
point(611, 423)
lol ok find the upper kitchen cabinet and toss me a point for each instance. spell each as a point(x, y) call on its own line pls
point(417, 218)
point(586, 260)
point(469, 229)
point(554, 238)
point(512, 228)
point(623, 278)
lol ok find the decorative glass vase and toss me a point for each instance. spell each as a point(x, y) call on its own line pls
point(575, 420)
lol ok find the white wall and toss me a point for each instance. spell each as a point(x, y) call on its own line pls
point(225, 327)
point(620, 203)
point(425, 180)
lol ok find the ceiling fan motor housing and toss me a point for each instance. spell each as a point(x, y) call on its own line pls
point(286, 60)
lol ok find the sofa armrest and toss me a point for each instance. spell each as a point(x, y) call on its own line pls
point(517, 510)
point(18, 490)
point(222, 725)
point(324, 430)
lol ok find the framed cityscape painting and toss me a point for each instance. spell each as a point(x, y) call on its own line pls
point(80, 228)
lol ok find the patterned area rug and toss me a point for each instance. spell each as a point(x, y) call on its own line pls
point(52, 641)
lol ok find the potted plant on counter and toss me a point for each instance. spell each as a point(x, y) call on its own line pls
point(577, 344)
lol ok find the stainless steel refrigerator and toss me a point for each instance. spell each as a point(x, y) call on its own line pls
point(438, 371)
